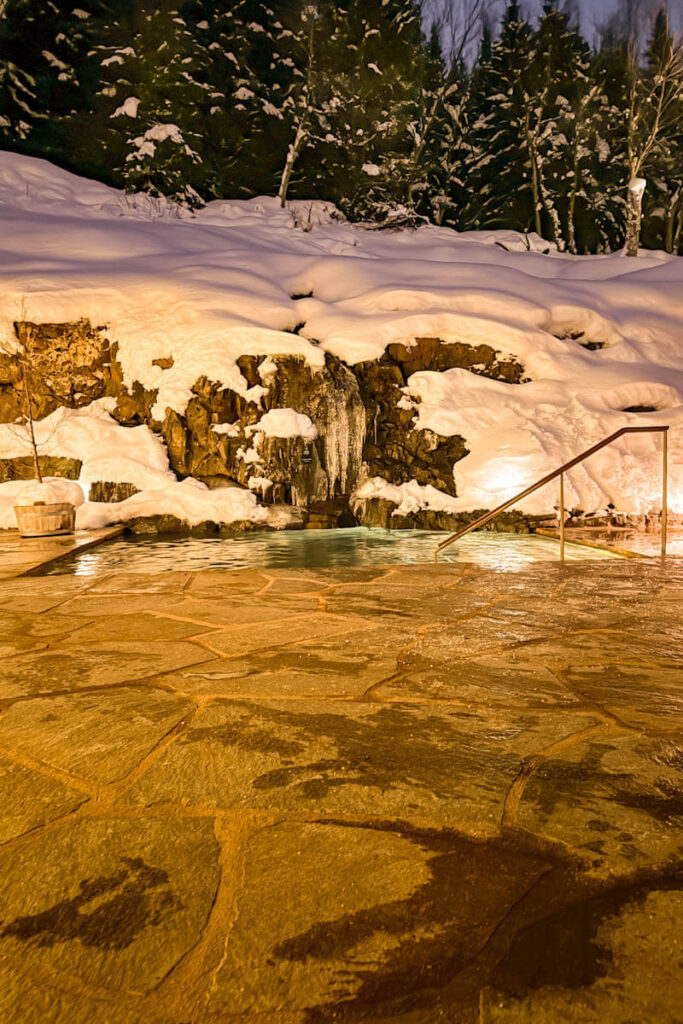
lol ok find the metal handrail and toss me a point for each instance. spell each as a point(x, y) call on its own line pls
point(488, 516)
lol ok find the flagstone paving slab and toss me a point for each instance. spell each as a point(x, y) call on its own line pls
point(31, 799)
point(266, 634)
point(485, 681)
point(247, 611)
point(345, 665)
point(143, 626)
point(94, 605)
point(617, 797)
point(12, 646)
point(97, 736)
point(29, 1002)
point(452, 763)
point(48, 625)
point(214, 584)
point(377, 918)
point(412, 794)
point(114, 902)
point(615, 959)
point(601, 647)
point(129, 583)
point(74, 667)
point(402, 605)
point(38, 595)
point(641, 696)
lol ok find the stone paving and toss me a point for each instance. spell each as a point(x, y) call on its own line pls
point(411, 794)
point(20, 555)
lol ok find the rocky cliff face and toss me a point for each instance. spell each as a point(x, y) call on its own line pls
point(359, 426)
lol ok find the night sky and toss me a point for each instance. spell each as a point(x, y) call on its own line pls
point(595, 12)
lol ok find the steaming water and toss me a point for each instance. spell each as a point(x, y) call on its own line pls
point(314, 549)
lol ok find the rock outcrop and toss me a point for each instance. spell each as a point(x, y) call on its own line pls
point(50, 465)
point(361, 424)
point(70, 366)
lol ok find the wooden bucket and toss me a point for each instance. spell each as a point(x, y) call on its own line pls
point(43, 520)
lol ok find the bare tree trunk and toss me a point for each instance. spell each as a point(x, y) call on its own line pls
point(28, 410)
point(634, 215)
point(671, 218)
point(571, 225)
point(534, 178)
point(440, 213)
point(292, 154)
point(302, 127)
point(678, 233)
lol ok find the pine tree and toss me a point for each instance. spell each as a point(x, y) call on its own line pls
point(45, 72)
point(566, 145)
point(374, 74)
point(151, 105)
point(501, 192)
point(260, 62)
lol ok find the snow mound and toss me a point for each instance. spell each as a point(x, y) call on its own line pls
point(597, 335)
point(52, 491)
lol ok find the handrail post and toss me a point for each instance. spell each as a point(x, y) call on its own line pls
point(562, 516)
point(665, 504)
point(560, 471)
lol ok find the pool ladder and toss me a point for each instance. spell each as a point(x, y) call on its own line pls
point(488, 516)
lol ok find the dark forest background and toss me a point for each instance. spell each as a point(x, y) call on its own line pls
point(472, 123)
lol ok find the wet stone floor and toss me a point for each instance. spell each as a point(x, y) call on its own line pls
point(411, 794)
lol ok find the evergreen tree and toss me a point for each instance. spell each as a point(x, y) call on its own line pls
point(499, 179)
point(262, 62)
point(151, 104)
point(379, 62)
point(46, 72)
point(567, 150)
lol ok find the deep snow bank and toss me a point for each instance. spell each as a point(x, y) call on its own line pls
point(239, 278)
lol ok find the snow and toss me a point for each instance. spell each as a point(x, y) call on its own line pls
point(188, 500)
point(286, 423)
point(229, 429)
point(637, 186)
point(208, 287)
point(129, 108)
point(108, 451)
point(409, 497)
point(52, 491)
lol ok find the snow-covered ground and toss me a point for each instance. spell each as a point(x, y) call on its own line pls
point(208, 287)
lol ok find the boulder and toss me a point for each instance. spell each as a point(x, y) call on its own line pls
point(108, 491)
point(50, 465)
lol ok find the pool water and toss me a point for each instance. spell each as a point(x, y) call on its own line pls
point(314, 549)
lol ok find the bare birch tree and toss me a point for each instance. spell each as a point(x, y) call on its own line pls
point(302, 100)
point(24, 332)
point(655, 102)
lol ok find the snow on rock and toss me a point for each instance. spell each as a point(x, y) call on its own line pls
point(286, 423)
point(108, 451)
point(597, 335)
point(188, 500)
point(408, 498)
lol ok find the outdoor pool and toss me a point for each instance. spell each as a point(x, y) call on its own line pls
point(314, 549)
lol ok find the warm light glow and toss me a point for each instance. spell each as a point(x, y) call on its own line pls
point(507, 477)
